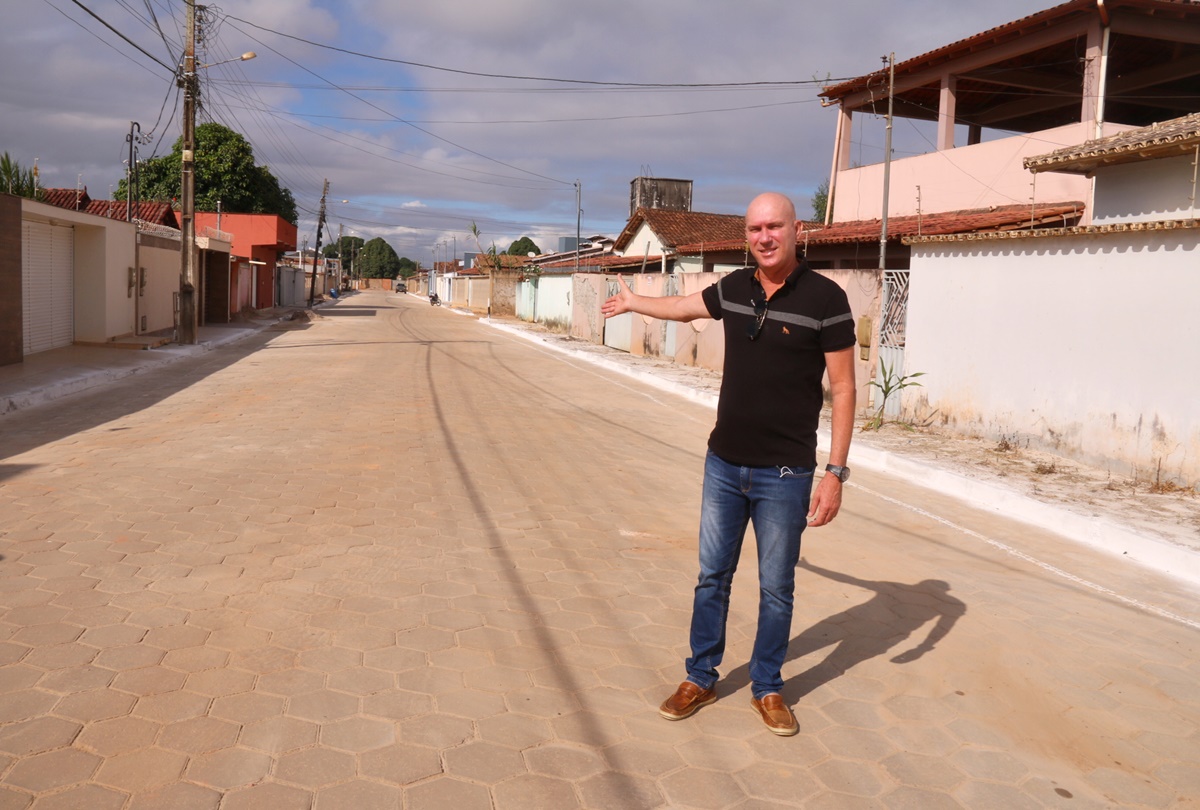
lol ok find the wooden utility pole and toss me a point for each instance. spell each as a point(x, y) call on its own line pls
point(188, 321)
point(312, 288)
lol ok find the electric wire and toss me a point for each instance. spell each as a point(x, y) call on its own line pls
point(532, 78)
point(122, 36)
point(278, 138)
point(98, 37)
point(539, 121)
point(405, 122)
point(158, 27)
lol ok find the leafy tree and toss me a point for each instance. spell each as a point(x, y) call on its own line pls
point(347, 246)
point(523, 247)
point(225, 172)
point(16, 180)
point(377, 259)
point(820, 200)
point(408, 268)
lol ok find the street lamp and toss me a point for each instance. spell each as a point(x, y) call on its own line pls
point(188, 81)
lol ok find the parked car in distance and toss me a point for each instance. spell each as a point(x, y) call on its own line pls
point(401, 287)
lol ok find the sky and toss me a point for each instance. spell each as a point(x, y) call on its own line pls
point(522, 117)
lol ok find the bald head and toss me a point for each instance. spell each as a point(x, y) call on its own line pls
point(771, 233)
point(773, 201)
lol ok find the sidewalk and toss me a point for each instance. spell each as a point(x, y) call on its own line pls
point(47, 376)
point(1161, 532)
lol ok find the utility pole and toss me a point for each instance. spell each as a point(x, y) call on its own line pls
point(131, 180)
point(341, 258)
point(188, 322)
point(433, 271)
point(887, 161)
point(312, 288)
point(578, 218)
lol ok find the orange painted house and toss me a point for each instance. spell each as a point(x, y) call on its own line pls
point(250, 282)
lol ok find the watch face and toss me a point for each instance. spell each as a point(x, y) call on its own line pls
point(841, 473)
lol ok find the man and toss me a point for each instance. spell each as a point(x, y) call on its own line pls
point(785, 326)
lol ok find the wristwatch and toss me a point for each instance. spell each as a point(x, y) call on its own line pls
point(840, 473)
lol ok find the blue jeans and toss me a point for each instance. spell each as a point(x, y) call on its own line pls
point(776, 500)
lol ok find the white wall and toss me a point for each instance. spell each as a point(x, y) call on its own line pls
point(1148, 190)
point(1083, 344)
point(160, 261)
point(645, 243)
point(546, 300)
point(104, 252)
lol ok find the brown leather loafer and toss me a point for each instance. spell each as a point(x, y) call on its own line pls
point(776, 714)
point(688, 698)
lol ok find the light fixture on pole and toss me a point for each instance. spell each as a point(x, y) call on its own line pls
point(189, 82)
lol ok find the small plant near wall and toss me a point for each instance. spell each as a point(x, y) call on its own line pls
point(889, 382)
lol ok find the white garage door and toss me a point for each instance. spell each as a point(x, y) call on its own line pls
point(48, 289)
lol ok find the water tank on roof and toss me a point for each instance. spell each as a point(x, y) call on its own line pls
point(660, 192)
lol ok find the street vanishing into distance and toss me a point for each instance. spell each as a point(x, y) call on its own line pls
point(387, 556)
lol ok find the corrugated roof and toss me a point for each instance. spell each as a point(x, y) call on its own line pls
point(1163, 139)
point(1016, 28)
point(1005, 217)
point(1027, 75)
point(158, 213)
point(675, 228)
point(606, 262)
point(72, 198)
point(1043, 233)
point(504, 260)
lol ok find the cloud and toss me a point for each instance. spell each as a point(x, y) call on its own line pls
point(435, 151)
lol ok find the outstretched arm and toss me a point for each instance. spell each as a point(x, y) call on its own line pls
point(666, 308)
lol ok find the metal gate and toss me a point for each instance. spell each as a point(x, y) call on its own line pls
point(892, 327)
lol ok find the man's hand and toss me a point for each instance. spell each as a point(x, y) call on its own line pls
point(826, 501)
point(621, 302)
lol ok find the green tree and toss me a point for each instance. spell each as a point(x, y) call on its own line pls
point(346, 246)
point(523, 247)
point(377, 259)
point(16, 180)
point(408, 268)
point(225, 173)
point(820, 200)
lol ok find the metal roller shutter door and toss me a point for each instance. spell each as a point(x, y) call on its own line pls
point(47, 285)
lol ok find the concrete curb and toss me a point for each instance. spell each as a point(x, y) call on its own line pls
point(1119, 541)
point(81, 380)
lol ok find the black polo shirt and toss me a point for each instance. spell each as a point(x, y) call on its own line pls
point(771, 395)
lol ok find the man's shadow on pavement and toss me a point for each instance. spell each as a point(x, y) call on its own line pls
point(864, 631)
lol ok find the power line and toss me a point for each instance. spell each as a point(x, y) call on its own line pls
point(122, 36)
point(530, 78)
point(97, 36)
point(564, 120)
point(403, 121)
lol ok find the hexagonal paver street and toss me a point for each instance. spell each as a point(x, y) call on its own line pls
point(389, 557)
